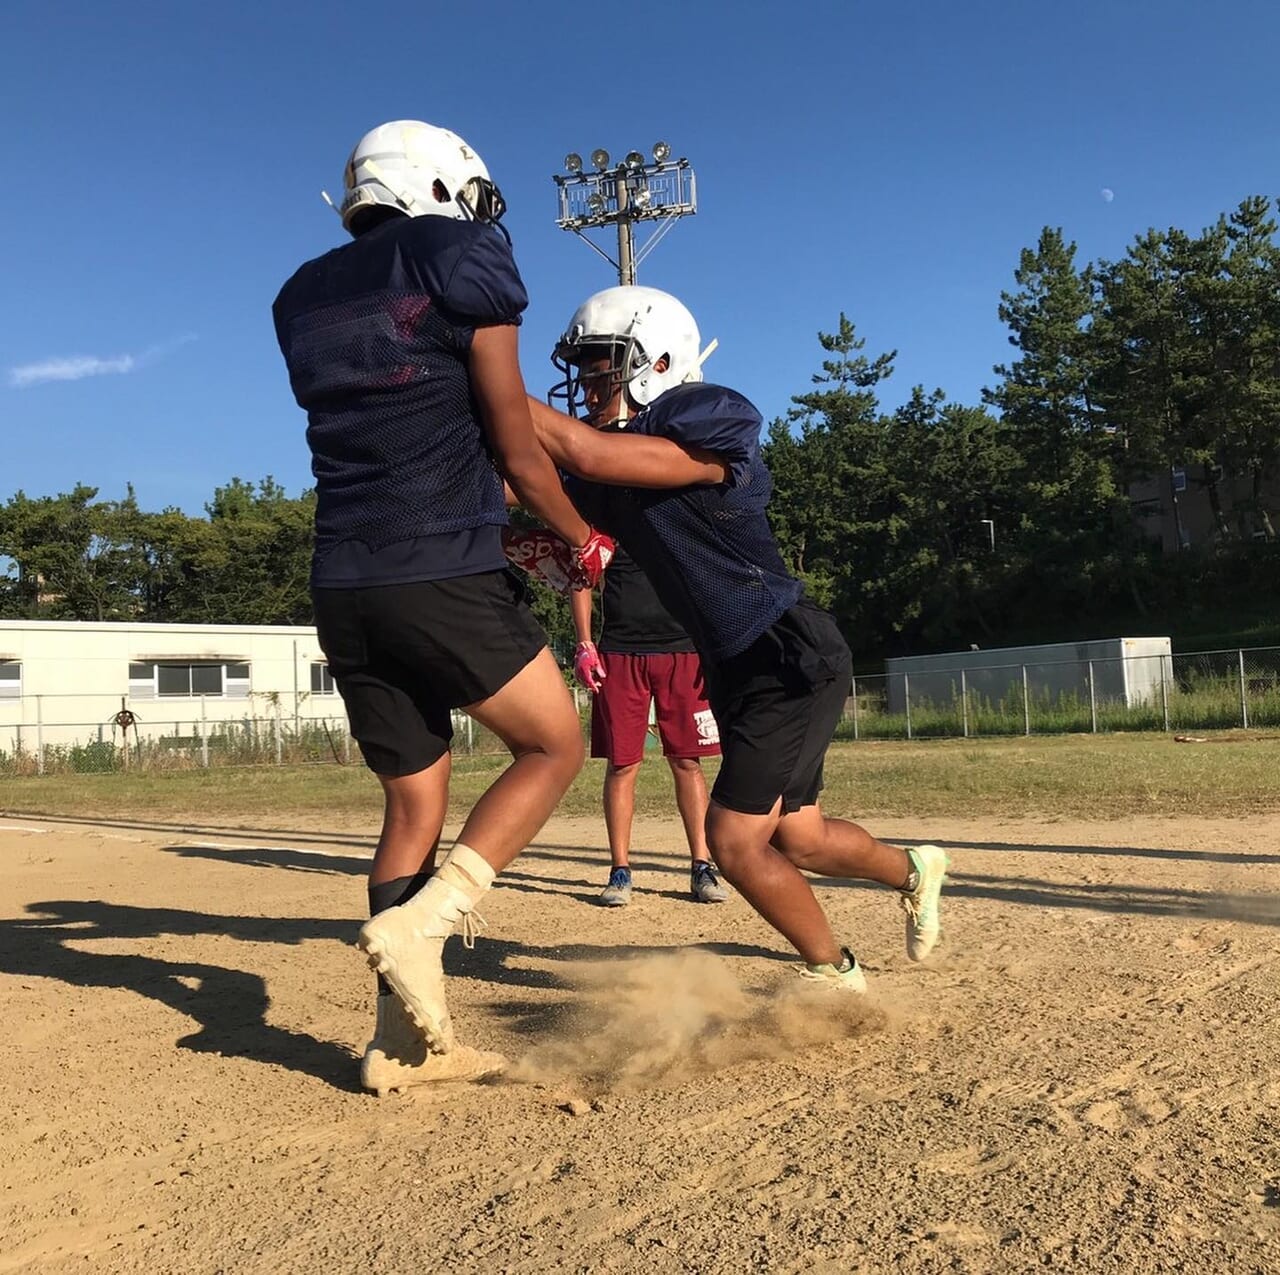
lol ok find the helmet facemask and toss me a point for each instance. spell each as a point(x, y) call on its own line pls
point(649, 338)
point(627, 360)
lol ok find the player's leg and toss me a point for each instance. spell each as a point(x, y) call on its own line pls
point(837, 848)
point(404, 739)
point(472, 642)
point(533, 714)
point(619, 810)
point(769, 881)
point(397, 1056)
point(619, 724)
point(829, 847)
point(412, 817)
point(769, 716)
point(688, 731)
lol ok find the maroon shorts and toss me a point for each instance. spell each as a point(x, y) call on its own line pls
point(620, 710)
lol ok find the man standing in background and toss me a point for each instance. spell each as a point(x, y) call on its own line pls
point(645, 658)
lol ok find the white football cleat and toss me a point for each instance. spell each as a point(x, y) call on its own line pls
point(405, 944)
point(924, 926)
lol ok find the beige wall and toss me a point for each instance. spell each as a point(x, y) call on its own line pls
point(74, 676)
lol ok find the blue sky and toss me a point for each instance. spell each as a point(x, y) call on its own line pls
point(164, 163)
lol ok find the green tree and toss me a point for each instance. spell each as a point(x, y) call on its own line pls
point(249, 563)
point(73, 556)
point(1073, 534)
point(833, 493)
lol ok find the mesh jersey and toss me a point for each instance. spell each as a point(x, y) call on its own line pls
point(376, 336)
point(707, 550)
point(635, 621)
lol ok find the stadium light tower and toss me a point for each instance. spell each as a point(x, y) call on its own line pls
point(661, 191)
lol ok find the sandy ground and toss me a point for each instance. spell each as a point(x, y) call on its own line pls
point(1086, 1079)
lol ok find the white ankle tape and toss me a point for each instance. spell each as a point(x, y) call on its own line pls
point(466, 870)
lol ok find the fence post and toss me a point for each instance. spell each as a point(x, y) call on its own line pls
point(275, 727)
point(204, 734)
point(346, 742)
point(853, 684)
point(964, 704)
point(39, 734)
point(471, 730)
point(1164, 694)
point(1244, 695)
point(1093, 701)
point(1026, 704)
point(906, 692)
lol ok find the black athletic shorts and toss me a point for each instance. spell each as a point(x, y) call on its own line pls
point(777, 704)
point(403, 655)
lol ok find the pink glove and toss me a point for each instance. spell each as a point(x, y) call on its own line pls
point(587, 667)
point(591, 560)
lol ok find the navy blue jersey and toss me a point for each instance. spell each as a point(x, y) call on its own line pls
point(707, 550)
point(634, 621)
point(376, 335)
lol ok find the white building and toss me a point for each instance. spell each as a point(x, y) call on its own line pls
point(62, 683)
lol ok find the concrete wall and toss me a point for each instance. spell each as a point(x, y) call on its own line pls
point(1127, 670)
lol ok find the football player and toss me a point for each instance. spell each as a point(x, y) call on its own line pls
point(777, 670)
point(401, 347)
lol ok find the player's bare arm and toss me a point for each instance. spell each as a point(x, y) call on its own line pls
point(623, 460)
point(580, 606)
point(525, 464)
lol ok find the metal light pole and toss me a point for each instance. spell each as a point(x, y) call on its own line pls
point(990, 525)
point(621, 195)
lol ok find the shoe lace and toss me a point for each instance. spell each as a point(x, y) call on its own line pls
point(472, 924)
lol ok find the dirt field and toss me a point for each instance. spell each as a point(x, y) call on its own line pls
point(1086, 1079)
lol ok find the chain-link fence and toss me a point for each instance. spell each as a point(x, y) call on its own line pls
point(1205, 690)
point(89, 734)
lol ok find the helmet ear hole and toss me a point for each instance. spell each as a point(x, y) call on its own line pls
point(440, 191)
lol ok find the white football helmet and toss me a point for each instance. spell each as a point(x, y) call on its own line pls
point(421, 170)
point(637, 327)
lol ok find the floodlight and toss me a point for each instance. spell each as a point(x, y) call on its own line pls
point(642, 198)
point(661, 152)
point(600, 158)
point(595, 203)
point(573, 162)
point(634, 160)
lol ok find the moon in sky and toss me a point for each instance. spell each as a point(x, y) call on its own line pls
point(1107, 194)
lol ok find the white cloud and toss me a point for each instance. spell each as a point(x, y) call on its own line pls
point(77, 367)
point(72, 369)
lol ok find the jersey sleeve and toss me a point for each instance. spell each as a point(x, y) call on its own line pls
point(716, 419)
point(484, 287)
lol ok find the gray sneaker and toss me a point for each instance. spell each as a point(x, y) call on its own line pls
point(705, 886)
point(617, 894)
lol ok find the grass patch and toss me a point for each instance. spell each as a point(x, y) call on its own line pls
point(1088, 777)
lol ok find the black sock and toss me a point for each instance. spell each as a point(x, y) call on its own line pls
point(390, 894)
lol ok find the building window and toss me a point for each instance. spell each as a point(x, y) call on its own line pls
point(322, 680)
point(188, 679)
point(10, 679)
